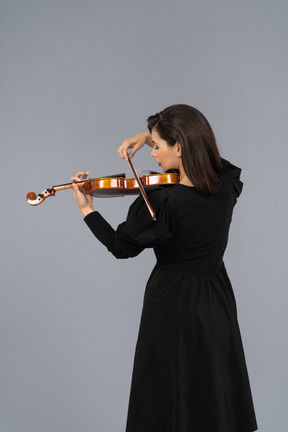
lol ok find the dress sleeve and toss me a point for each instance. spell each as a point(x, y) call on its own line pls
point(139, 231)
point(232, 173)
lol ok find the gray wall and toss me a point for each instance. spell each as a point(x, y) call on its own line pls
point(78, 77)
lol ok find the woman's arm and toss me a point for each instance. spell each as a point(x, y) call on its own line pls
point(135, 143)
point(123, 247)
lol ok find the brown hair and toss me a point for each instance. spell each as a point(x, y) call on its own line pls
point(200, 156)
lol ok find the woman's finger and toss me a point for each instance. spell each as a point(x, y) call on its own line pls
point(123, 149)
point(80, 176)
point(134, 143)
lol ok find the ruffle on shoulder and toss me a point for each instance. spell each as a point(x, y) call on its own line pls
point(232, 173)
point(141, 228)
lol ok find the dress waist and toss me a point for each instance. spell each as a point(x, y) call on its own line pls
point(188, 269)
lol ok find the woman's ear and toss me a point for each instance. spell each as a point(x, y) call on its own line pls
point(178, 147)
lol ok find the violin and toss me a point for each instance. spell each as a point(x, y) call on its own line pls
point(112, 186)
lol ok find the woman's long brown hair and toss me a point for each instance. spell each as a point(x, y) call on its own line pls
point(200, 156)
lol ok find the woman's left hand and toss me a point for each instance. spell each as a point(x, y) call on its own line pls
point(83, 199)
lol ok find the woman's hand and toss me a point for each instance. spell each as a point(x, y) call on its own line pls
point(83, 199)
point(135, 143)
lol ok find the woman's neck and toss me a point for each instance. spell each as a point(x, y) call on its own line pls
point(183, 177)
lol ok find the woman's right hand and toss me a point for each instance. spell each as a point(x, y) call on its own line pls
point(135, 143)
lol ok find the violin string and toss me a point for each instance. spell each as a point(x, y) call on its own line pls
point(123, 174)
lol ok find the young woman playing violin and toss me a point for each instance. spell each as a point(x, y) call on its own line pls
point(189, 368)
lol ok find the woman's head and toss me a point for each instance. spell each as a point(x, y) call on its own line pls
point(185, 126)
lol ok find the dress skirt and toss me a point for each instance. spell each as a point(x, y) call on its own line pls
point(189, 369)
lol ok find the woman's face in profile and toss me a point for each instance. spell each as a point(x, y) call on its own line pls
point(166, 156)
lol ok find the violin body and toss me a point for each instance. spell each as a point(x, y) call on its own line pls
point(115, 186)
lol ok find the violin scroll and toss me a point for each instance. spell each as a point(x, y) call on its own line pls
point(35, 200)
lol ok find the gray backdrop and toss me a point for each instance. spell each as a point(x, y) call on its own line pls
point(77, 78)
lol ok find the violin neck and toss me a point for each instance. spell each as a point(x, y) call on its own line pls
point(68, 185)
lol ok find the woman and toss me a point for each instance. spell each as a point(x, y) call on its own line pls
point(189, 368)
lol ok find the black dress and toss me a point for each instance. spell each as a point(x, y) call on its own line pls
point(189, 370)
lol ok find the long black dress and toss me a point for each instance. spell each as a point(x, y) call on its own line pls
point(189, 369)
